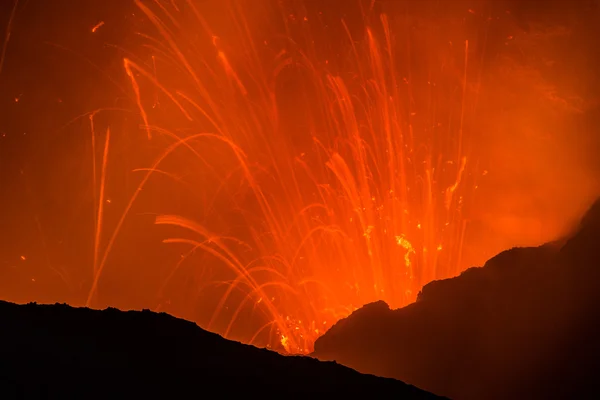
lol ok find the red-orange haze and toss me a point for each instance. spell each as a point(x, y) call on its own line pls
point(301, 160)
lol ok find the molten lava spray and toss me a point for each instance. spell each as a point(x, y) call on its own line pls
point(347, 172)
point(302, 159)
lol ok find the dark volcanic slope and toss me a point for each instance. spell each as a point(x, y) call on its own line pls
point(56, 351)
point(525, 326)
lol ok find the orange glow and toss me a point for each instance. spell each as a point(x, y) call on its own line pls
point(346, 220)
point(298, 161)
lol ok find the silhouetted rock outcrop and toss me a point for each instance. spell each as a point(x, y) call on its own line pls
point(60, 352)
point(524, 326)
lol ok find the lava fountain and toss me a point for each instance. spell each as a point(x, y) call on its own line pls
point(335, 163)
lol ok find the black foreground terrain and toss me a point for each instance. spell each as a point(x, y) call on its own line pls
point(60, 352)
point(525, 326)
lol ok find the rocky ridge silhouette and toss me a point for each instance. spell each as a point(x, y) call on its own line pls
point(60, 352)
point(526, 325)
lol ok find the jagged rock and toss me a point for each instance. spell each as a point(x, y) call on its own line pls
point(56, 351)
point(526, 325)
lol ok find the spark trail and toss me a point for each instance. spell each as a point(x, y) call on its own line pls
point(357, 195)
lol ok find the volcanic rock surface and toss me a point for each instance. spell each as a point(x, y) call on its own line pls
point(56, 351)
point(526, 325)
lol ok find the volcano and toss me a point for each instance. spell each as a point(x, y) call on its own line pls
point(523, 326)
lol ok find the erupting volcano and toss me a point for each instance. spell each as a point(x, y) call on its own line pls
point(303, 158)
point(358, 196)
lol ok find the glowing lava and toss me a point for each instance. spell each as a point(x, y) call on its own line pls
point(335, 166)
